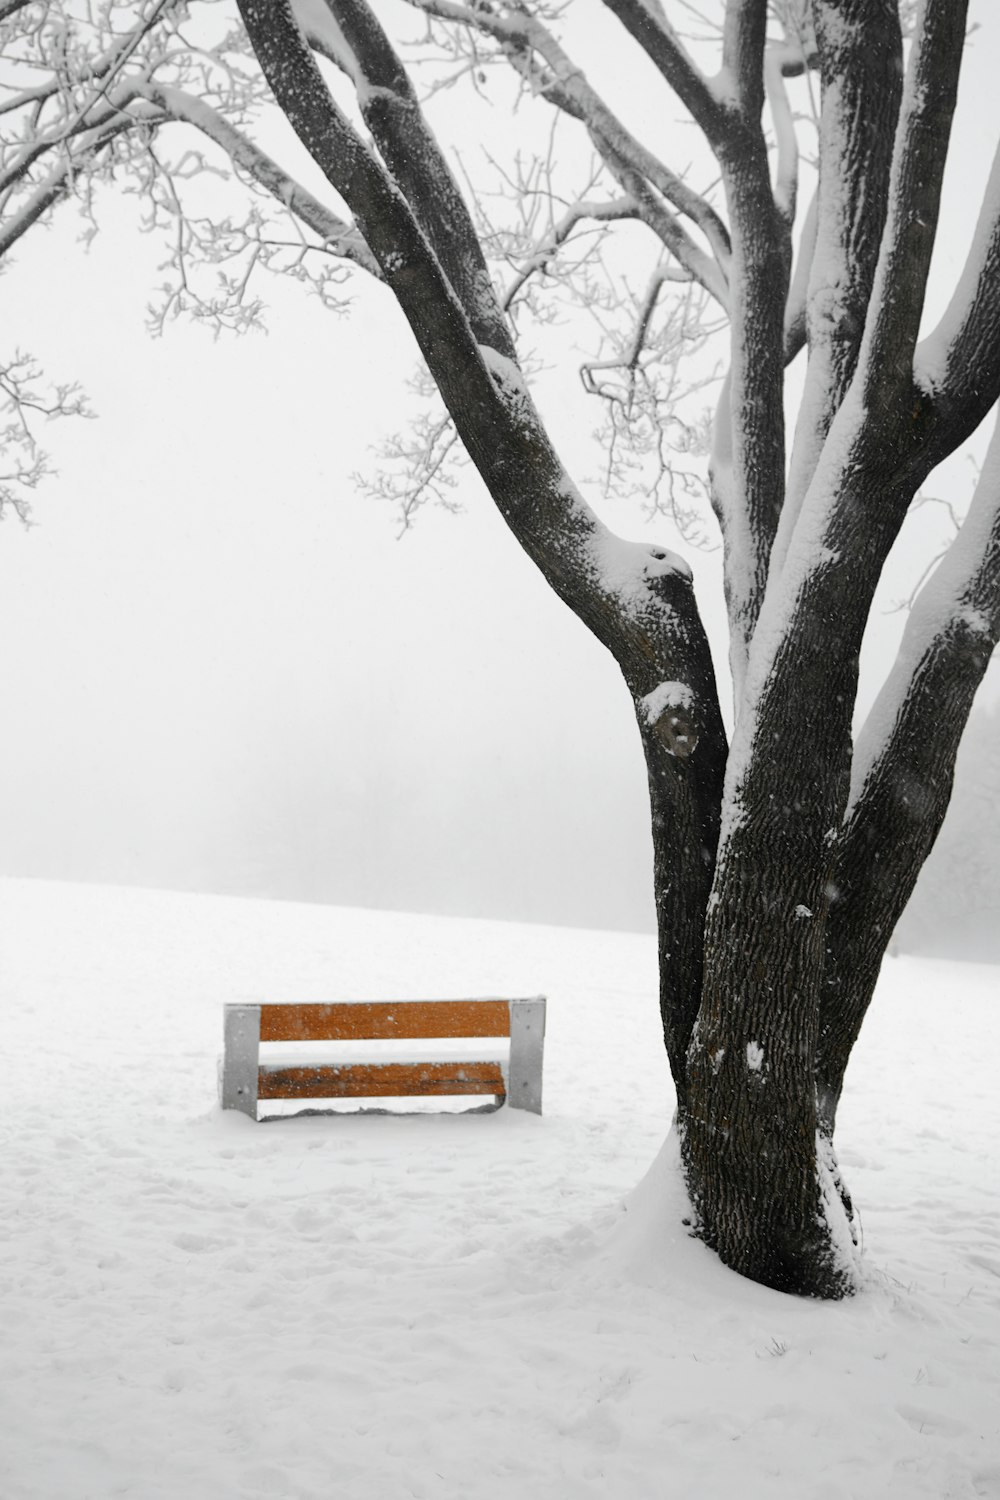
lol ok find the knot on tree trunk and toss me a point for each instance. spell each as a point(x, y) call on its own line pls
point(668, 711)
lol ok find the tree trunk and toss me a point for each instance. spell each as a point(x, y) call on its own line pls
point(761, 1174)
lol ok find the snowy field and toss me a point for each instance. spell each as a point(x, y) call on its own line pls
point(198, 1307)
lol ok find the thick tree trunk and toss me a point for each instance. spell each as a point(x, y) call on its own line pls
point(761, 1174)
point(763, 1183)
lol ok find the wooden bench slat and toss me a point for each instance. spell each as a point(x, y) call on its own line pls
point(372, 1020)
point(379, 1080)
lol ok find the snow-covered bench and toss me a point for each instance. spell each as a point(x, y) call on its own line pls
point(373, 1039)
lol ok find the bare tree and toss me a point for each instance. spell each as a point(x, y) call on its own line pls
point(782, 861)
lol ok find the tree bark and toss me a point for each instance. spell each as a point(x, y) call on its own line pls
point(685, 749)
point(761, 1175)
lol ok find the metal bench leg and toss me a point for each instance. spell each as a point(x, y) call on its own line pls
point(240, 1061)
point(527, 1041)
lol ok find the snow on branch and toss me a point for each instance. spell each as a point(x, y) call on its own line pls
point(536, 55)
point(904, 761)
point(842, 237)
point(786, 179)
point(958, 364)
point(744, 38)
point(416, 467)
point(325, 35)
point(798, 291)
point(419, 169)
point(115, 79)
point(653, 211)
point(539, 261)
point(23, 403)
point(482, 386)
point(930, 89)
point(337, 237)
point(652, 431)
point(647, 24)
point(954, 622)
point(60, 182)
point(798, 50)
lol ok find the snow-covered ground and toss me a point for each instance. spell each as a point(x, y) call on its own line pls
point(198, 1307)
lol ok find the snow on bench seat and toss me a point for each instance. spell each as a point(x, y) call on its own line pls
point(380, 1051)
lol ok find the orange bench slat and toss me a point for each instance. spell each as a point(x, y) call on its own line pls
point(379, 1080)
point(375, 1020)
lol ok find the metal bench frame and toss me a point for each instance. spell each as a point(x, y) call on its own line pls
point(240, 1068)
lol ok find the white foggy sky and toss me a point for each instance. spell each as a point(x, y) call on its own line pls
point(222, 672)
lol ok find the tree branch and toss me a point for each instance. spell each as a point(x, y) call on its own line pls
point(861, 99)
point(340, 238)
point(886, 361)
point(744, 36)
point(95, 109)
point(390, 110)
point(655, 214)
point(637, 599)
point(59, 182)
point(903, 769)
point(578, 213)
point(798, 291)
point(10, 8)
point(957, 368)
point(752, 499)
point(483, 390)
point(567, 89)
point(645, 21)
point(786, 178)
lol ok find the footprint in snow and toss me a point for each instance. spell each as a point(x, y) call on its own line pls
point(195, 1244)
point(931, 1423)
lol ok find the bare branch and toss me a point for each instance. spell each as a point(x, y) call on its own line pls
point(93, 110)
point(886, 364)
point(798, 51)
point(795, 306)
point(751, 499)
point(957, 368)
point(744, 35)
point(617, 588)
point(904, 764)
point(482, 405)
point(650, 434)
point(390, 109)
point(555, 78)
point(646, 22)
point(417, 466)
point(59, 182)
point(339, 238)
point(786, 178)
point(861, 100)
point(583, 212)
point(651, 209)
point(22, 402)
point(951, 630)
